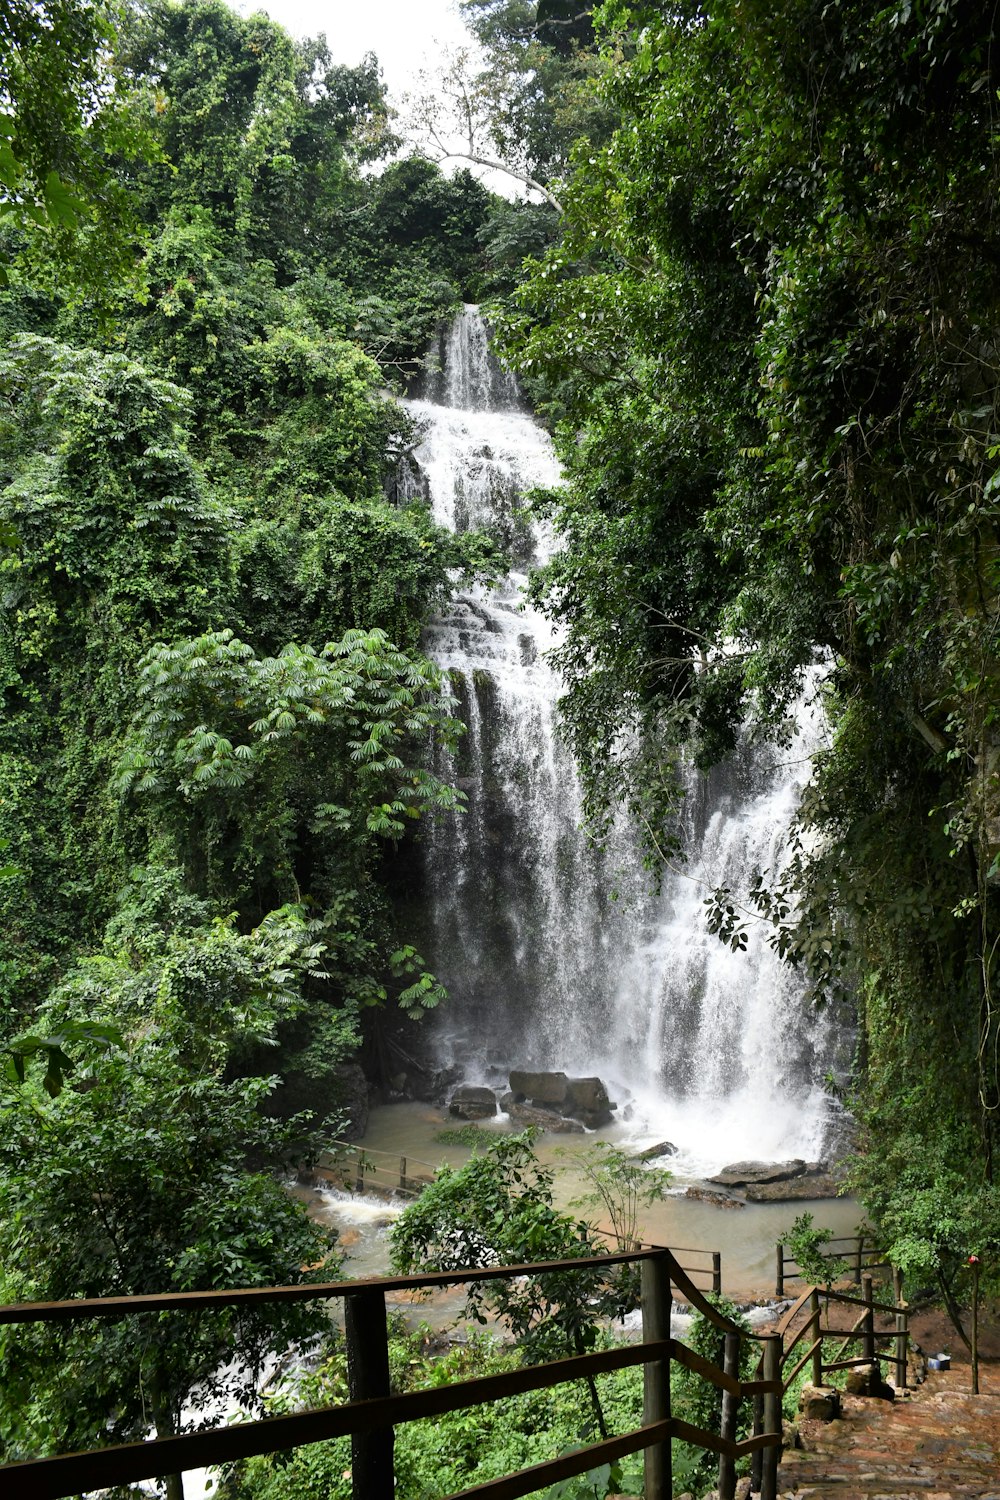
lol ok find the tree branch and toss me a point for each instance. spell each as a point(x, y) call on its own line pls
point(496, 166)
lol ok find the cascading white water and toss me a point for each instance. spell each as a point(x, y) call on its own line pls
point(711, 1049)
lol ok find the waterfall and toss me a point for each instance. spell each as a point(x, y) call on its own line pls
point(710, 1048)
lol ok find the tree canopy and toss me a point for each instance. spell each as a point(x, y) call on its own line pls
point(218, 725)
point(766, 343)
point(759, 314)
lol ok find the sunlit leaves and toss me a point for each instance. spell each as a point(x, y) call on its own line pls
point(374, 697)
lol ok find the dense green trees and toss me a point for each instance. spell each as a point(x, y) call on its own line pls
point(66, 116)
point(217, 464)
point(217, 722)
point(768, 342)
point(765, 338)
point(143, 1175)
point(535, 93)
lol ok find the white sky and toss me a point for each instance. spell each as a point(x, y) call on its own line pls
point(405, 35)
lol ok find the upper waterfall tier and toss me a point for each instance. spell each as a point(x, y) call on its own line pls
point(475, 467)
point(479, 451)
point(463, 371)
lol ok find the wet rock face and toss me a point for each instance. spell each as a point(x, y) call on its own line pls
point(472, 1103)
point(819, 1403)
point(653, 1153)
point(350, 1090)
point(743, 1173)
point(582, 1099)
point(779, 1182)
point(587, 1100)
point(544, 1119)
point(798, 1189)
point(540, 1088)
point(718, 1200)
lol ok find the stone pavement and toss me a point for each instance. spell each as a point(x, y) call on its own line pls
point(935, 1443)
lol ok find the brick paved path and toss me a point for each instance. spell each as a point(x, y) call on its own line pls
point(936, 1443)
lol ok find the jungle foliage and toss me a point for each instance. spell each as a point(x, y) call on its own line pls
point(196, 494)
point(217, 720)
point(768, 344)
point(761, 317)
point(496, 1210)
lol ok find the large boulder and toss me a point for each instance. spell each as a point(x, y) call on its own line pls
point(717, 1200)
point(587, 1100)
point(585, 1093)
point(797, 1190)
point(583, 1099)
point(819, 1403)
point(863, 1380)
point(539, 1087)
point(653, 1153)
point(472, 1103)
point(428, 1085)
point(544, 1119)
point(745, 1173)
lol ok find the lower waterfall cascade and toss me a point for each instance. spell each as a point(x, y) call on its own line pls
point(713, 1049)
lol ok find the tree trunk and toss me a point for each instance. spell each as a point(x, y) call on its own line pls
point(954, 1312)
point(165, 1427)
point(175, 1486)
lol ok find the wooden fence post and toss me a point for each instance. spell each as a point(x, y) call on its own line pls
point(402, 1174)
point(656, 1301)
point(717, 1272)
point(974, 1351)
point(859, 1259)
point(779, 1271)
point(901, 1346)
point(368, 1376)
point(757, 1457)
point(772, 1418)
point(814, 1334)
point(730, 1414)
point(871, 1351)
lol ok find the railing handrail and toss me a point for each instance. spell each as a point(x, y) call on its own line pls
point(845, 1297)
point(831, 1295)
point(848, 1239)
point(863, 1331)
point(301, 1291)
point(130, 1462)
point(364, 1150)
point(317, 1291)
point(862, 1249)
point(375, 1411)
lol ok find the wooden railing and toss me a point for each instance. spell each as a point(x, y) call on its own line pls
point(863, 1332)
point(357, 1168)
point(860, 1253)
point(373, 1412)
point(712, 1270)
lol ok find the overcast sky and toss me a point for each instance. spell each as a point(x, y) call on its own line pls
point(405, 35)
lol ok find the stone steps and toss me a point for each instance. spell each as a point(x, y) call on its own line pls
point(936, 1443)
